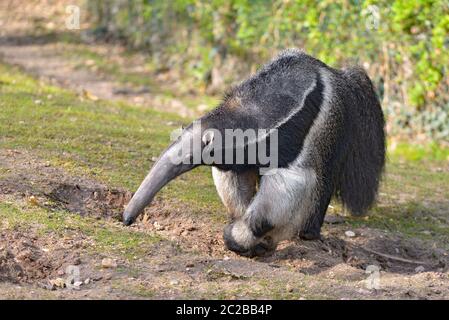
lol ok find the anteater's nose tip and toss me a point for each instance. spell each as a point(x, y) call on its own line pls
point(128, 221)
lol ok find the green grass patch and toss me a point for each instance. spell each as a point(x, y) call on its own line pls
point(412, 201)
point(138, 290)
point(408, 151)
point(410, 219)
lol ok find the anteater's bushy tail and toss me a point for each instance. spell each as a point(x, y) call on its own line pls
point(362, 170)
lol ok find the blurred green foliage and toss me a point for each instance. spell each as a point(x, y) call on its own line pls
point(404, 45)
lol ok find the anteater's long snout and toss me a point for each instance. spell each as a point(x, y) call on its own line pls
point(167, 168)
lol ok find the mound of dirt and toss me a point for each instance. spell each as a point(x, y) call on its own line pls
point(85, 199)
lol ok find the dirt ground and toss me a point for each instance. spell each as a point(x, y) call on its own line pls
point(190, 260)
point(192, 254)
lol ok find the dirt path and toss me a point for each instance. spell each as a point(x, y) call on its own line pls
point(44, 62)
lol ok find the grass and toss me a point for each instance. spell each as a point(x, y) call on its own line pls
point(137, 290)
point(412, 200)
point(410, 219)
point(413, 152)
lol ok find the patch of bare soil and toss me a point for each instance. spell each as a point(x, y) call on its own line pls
point(184, 228)
point(389, 251)
point(34, 266)
point(25, 257)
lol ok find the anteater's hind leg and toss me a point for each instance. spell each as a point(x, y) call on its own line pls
point(310, 227)
point(236, 190)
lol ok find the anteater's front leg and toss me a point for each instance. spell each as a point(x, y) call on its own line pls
point(236, 190)
point(280, 208)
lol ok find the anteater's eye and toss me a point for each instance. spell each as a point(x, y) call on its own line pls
point(208, 137)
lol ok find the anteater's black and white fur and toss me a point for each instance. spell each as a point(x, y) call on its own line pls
point(331, 143)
